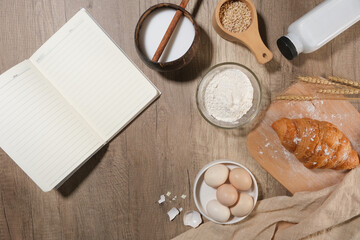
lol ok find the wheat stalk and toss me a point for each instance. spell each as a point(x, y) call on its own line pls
point(295, 98)
point(310, 98)
point(345, 87)
point(316, 80)
point(347, 91)
point(321, 81)
point(344, 81)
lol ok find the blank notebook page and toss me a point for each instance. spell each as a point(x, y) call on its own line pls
point(94, 75)
point(39, 130)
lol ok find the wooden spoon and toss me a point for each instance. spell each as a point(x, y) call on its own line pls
point(250, 37)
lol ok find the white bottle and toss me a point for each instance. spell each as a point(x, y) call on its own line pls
point(319, 26)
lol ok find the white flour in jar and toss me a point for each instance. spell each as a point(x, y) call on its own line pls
point(229, 95)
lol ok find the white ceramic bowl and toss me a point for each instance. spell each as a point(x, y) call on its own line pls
point(204, 193)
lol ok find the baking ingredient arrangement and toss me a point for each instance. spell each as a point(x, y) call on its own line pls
point(302, 139)
point(228, 96)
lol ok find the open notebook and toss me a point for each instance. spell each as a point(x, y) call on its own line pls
point(58, 108)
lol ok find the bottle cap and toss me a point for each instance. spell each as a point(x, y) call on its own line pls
point(287, 48)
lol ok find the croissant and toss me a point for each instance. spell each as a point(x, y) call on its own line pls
point(317, 144)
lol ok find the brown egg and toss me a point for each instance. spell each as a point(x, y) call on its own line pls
point(243, 206)
point(240, 179)
point(227, 195)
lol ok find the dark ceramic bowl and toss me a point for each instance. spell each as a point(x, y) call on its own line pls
point(172, 65)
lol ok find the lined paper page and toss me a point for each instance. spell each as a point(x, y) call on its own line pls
point(94, 75)
point(39, 130)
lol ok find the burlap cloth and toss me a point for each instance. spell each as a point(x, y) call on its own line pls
point(331, 213)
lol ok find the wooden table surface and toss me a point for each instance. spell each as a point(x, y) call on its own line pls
point(114, 195)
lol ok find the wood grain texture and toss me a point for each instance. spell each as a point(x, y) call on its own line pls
point(264, 144)
point(114, 195)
